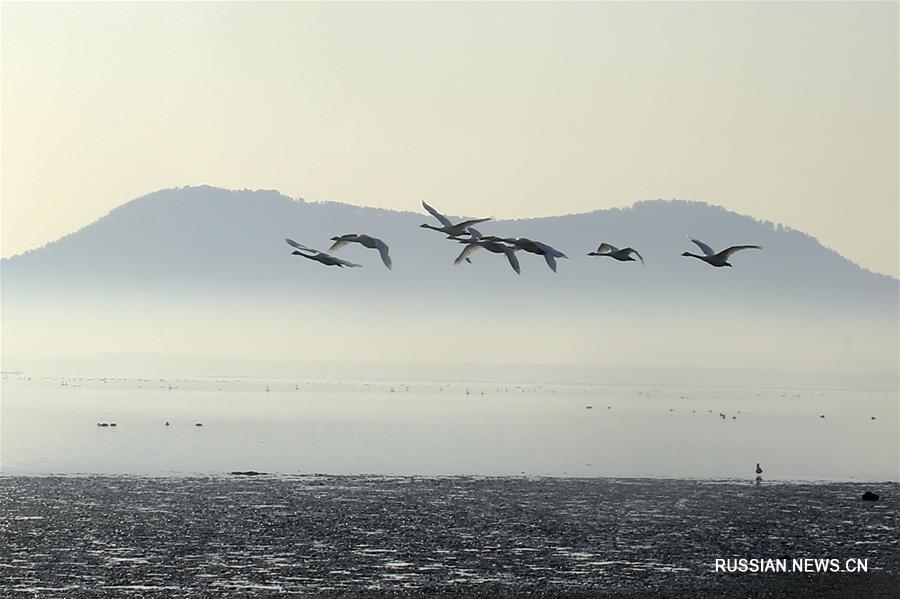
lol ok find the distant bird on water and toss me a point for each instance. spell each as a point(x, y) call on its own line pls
point(322, 257)
point(476, 242)
point(447, 227)
point(373, 243)
point(623, 255)
point(758, 469)
point(721, 258)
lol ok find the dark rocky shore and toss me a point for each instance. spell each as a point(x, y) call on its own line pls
point(384, 537)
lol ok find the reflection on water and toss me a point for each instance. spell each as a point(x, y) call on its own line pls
point(49, 425)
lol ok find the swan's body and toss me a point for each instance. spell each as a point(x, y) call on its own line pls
point(549, 253)
point(373, 243)
point(491, 244)
point(623, 255)
point(321, 257)
point(721, 258)
point(447, 227)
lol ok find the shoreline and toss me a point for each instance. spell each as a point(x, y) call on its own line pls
point(302, 476)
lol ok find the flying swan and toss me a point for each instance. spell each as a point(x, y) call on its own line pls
point(373, 243)
point(623, 255)
point(718, 259)
point(318, 256)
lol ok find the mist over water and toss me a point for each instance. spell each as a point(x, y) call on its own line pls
point(197, 284)
point(201, 273)
point(49, 426)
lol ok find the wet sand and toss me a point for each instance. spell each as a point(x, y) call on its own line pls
point(380, 537)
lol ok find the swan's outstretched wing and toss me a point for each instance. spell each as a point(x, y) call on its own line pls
point(552, 251)
point(635, 252)
point(342, 263)
point(341, 242)
point(293, 243)
point(466, 224)
point(474, 233)
point(444, 220)
point(703, 247)
point(736, 248)
point(551, 261)
point(606, 248)
point(383, 250)
point(467, 251)
point(513, 261)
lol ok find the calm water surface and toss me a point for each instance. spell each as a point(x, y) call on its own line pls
point(49, 426)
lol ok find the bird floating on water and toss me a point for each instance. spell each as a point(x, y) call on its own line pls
point(623, 255)
point(373, 243)
point(447, 227)
point(721, 258)
point(322, 257)
point(758, 468)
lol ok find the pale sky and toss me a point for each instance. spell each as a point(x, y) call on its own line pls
point(784, 111)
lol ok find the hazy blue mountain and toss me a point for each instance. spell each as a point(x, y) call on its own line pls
point(206, 272)
point(203, 238)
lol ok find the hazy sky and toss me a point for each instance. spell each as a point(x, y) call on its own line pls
point(785, 111)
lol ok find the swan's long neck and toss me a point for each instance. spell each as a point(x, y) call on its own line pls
point(694, 256)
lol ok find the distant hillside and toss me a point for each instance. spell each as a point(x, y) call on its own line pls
point(205, 272)
point(203, 238)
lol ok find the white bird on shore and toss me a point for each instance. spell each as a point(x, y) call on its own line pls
point(373, 243)
point(447, 227)
point(476, 242)
point(721, 258)
point(322, 257)
point(623, 255)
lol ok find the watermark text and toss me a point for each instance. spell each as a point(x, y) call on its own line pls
point(808, 565)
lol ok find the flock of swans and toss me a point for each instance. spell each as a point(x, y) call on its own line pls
point(466, 234)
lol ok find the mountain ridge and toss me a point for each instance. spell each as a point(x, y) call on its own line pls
point(205, 271)
point(208, 240)
point(636, 205)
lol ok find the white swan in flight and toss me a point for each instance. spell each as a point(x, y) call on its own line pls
point(718, 259)
point(447, 227)
point(477, 242)
point(623, 255)
point(373, 243)
point(318, 256)
point(549, 253)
